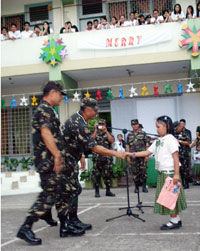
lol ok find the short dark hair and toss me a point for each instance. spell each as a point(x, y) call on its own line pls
point(68, 22)
point(13, 24)
point(37, 26)
point(119, 135)
point(26, 23)
point(95, 20)
point(155, 10)
point(4, 28)
point(182, 120)
point(168, 122)
point(89, 22)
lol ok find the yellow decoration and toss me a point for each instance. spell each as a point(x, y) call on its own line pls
point(144, 91)
point(53, 62)
point(52, 51)
point(34, 101)
point(87, 95)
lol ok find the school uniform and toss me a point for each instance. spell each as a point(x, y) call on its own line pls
point(163, 148)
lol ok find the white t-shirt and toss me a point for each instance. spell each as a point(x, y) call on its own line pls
point(119, 146)
point(26, 34)
point(72, 29)
point(16, 34)
point(160, 18)
point(4, 37)
point(125, 24)
point(113, 26)
point(176, 16)
point(163, 148)
point(133, 23)
point(197, 157)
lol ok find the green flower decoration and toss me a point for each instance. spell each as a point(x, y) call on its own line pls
point(53, 52)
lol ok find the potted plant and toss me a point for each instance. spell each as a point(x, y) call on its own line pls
point(11, 164)
point(86, 176)
point(117, 173)
point(26, 163)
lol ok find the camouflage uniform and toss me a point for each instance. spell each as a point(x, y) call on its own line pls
point(78, 139)
point(102, 165)
point(137, 142)
point(45, 116)
point(185, 155)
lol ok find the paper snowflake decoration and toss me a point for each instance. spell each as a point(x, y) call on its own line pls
point(23, 101)
point(190, 87)
point(133, 92)
point(76, 97)
point(53, 51)
point(192, 39)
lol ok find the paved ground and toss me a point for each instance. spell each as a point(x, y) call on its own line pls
point(126, 233)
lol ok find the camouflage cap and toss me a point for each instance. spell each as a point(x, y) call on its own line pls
point(102, 121)
point(141, 126)
point(51, 85)
point(134, 121)
point(89, 102)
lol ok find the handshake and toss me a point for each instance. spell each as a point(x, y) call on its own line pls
point(123, 155)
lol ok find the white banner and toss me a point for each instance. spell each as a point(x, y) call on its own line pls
point(125, 40)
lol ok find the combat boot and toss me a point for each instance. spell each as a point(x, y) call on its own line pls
point(49, 219)
point(97, 194)
point(108, 192)
point(144, 188)
point(76, 222)
point(186, 186)
point(68, 229)
point(25, 233)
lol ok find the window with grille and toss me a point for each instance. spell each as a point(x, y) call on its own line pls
point(39, 13)
point(91, 7)
point(18, 20)
point(16, 131)
point(117, 9)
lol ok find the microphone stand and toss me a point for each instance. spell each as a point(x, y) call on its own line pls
point(128, 208)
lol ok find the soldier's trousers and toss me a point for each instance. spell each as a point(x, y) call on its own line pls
point(104, 169)
point(138, 167)
point(53, 192)
point(185, 170)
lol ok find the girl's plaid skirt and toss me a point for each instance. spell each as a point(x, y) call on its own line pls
point(196, 169)
point(181, 202)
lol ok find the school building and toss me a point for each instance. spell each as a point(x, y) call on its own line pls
point(146, 57)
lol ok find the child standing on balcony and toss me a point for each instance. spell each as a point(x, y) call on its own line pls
point(177, 14)
point(165, 149)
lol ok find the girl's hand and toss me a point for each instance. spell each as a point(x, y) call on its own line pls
point(176, 179)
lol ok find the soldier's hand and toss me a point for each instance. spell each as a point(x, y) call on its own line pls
point(121, 155)
point(58, 164)
point(129, 160)
point(146, 159)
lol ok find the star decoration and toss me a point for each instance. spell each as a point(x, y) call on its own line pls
point(121, 93)
point(98, 97)
point(168, 89)
point(190, 87)
point(59, 41)
point(34, 101)
point(144, 91)
point(23, 101)
point(3, 104)
point(13, 102)
point(110, 95)
point(76, 97)
point(46, 42)
point(133, 92)
point(87, 95)
point(53, 62)
point(180, 88)
point(192, 39)
point(53, 52)
point(66, 99)
point(63, 53)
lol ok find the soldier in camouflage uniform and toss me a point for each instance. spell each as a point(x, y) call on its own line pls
point(137, 141)
point(102, 165)
point(184, 138)
point(78, 139)
point(48, 145)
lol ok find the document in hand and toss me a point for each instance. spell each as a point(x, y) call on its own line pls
point(169, 194)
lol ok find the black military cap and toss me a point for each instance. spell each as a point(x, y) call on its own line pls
point(51, 85)
point(89, 102)
point(102, 121)
point(134, 121)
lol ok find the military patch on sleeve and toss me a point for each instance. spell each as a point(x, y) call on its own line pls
point(87, 130)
